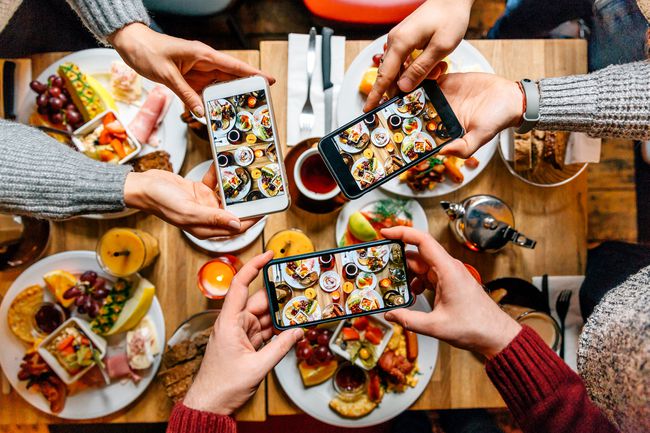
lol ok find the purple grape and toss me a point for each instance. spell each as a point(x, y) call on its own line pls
point(89, 277)
point(64, 99)
point(55, 103)
point(56, 118)
point(80, 300)
point(71, 107)
point(43, 110)
point(51, 78)
point(41, 100)
point(88, 305)
point(57, 82)
point(81, 310)
point(54, 91)
point(73, 117)
point(38, 87)
point(72, 292)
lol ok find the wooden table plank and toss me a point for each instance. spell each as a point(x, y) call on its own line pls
point(174, 274)
point(556, 217)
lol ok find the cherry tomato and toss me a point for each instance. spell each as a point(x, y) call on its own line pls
point(376, 59)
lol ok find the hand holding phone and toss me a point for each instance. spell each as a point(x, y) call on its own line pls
point(331, 285)
point(390, 139)
point(247, 154)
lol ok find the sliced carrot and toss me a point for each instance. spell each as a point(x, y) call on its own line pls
point(69, 350)
point(120, 135)
point(85, 341)
point(106, 155)
point(453, 171)
point(115, 127)
point(119, 148)
point(105, 136)
point(65, 342)
point(108, 118)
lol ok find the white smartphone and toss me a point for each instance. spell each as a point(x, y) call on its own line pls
point(244, 141)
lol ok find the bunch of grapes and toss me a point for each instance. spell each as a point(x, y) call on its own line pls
point(314, 348)
point(54, 101)
point(88, 294)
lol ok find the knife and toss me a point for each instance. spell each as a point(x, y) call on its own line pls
point(8, 79)
point(545, 293)
point(328, 87)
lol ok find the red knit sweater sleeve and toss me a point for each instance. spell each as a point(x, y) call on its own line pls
point(186, 420)
point(542, 392)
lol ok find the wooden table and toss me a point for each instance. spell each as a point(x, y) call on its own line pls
point(555, 217)
point(174, 275)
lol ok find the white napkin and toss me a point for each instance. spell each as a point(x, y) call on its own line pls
point(573, 322)
point(580, 147)
point(297, 84)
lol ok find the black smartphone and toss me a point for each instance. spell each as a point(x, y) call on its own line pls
point(388, 140)
point(335, 284)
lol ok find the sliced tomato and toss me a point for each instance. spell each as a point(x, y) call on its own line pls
point(67, 341)
point(105, 136)
point(374, 335)
point(115, 127)
point(108, 118)
point(360, 323)
point(350, 334)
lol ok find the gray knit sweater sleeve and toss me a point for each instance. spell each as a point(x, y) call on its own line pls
point(611, 102)
point(103, 17)
point(41, 177)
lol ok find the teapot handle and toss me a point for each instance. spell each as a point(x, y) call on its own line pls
point(517, 238)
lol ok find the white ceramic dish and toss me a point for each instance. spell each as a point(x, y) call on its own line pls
point(172, 132)
point(464, 58)
point(365, 293)
point(92, 403)
point(388, 332)
point(314, 400)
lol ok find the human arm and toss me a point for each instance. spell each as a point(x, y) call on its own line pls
point(436, 28)
point(612, 102)
point(236, 359)
point(542, 392)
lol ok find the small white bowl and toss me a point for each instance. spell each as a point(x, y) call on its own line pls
point(301, 186)
point(89, 127)
point(379, 349)
point(96, 340)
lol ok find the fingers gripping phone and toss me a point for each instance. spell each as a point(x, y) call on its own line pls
point(331, 285)
point(245, 146)
point(390, 139)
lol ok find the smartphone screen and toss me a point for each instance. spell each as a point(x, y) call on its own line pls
point(245, 148)
point(379, 145)
point(330, 285)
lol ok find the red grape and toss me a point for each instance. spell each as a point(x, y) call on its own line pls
point(42, 110)
point(55, 103)
point(312, 360)
point(312, 335)
point(81, 309)
point(63, 98)
point(100, 293)
point(324, 338)
point(303, 343)
point(41, 100)
point(38, 87)
point(56, 118)
point(71, 106)
point(321, 353)
point(305, 353)
point(89, 277)
point(72, 292)
point(54, 91)
point(80, 300)
point(72, 116)
point(94, 310)
point(57, 82)
point(376, 59)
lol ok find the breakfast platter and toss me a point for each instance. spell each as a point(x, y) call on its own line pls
point(88, 365)
point(365, 372)
point(438, 175)
point(74, 95)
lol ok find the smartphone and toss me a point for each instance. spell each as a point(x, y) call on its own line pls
point(326, 286)
point(245, 146)
point(388, 140)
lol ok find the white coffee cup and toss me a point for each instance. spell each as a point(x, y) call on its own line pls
point(301, 186)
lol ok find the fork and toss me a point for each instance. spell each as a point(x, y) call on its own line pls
point(562, 307)
point(306, 119)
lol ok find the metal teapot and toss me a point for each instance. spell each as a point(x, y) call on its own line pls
point(484, 223)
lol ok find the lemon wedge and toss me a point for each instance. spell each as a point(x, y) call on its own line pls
point(135, 308)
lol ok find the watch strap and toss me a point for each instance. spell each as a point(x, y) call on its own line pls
point(531, 115)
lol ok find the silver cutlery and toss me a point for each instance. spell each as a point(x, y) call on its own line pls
point(306, 119)
point(328, 87)
point(562, 308)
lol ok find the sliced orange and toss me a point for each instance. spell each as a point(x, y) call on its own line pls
point(368, 80)
point(58, 282)
point(316, 374)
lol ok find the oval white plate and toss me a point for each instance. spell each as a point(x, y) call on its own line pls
point(315, 400)
point(225, 244)
point(464, 58)
point(97, 62)
point(92, 403)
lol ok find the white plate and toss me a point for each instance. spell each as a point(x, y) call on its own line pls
point(292, 282)
point(375, 139)
point(257, 123)
point(362, 129)
point(97, 62)
point(365, 268)
point(465, 58)
point(315, 400)
point(242, 192)
point(91, 403)
point(276, 169)
point(193, 324)
point(333, 274)
point(224, 244)
point(420, 221)
point(225, 105)
point(241, 152)
point(373, 282)
point(379, 173)
point(313, 317)
point(364, 294)
point(412, 138)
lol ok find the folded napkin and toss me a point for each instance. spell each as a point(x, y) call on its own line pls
point(573, 322)
point(580, 148)
point(297, 84)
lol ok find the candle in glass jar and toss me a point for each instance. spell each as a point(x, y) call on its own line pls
point(215, 277)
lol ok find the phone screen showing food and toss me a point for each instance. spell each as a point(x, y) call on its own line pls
point(385, 141)
point(338, 283)
point(245, 147)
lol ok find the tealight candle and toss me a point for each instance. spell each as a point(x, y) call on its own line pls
point(215, 277)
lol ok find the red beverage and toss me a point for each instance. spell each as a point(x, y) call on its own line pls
point(315, 176)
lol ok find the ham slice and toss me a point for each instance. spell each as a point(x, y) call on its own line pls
point(117, 367)
point(151, 114)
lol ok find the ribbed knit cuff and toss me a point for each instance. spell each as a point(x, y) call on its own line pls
point(527, 371)
point(103, 17)
point(102, 187)
point(568, 103)
point(186, 420)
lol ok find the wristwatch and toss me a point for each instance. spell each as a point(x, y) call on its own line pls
point(531, 113)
